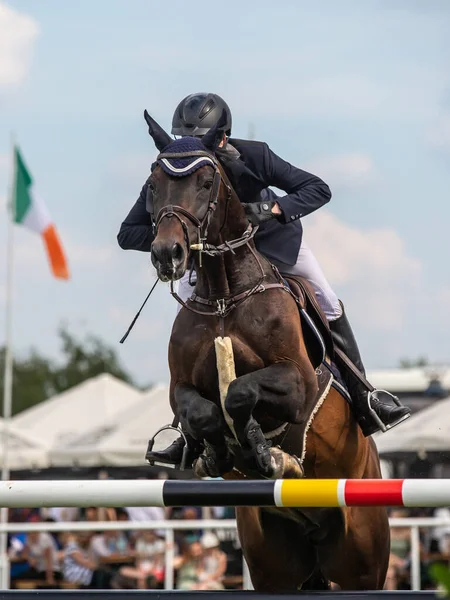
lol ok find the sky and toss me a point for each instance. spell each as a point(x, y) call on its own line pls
point(356, 92)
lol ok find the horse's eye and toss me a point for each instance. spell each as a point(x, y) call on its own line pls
point(208, 184)
point(151, 186)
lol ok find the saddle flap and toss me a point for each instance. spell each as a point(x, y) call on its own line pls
point(316, 330)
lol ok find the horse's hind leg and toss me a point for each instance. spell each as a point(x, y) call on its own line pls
point(361, 561)
point(279, 556)
point(281, 388)
point(203, 420)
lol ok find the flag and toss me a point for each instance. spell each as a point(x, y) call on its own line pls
point(31, 212)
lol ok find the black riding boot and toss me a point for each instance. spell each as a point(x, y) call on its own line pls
point(389, 414)
point(173, 454)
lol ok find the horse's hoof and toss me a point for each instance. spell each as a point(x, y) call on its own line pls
point(210, 465)
point(260, 448)
point(285, 466)
point(205, 466)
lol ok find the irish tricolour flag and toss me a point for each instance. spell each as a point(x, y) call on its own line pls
point(31, 212)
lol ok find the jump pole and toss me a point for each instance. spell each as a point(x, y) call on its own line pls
point(283, 493)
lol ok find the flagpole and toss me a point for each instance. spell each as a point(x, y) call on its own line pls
point(8, 372)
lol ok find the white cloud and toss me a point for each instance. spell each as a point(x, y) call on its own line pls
point(438, 136)
point(443, 303)
point(4, 160)
point(129, 168)
point(18, 33)
point(370, 266)
point(86, 254)
point(344, 171)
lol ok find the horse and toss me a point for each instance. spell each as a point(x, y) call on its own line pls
point(245, 383)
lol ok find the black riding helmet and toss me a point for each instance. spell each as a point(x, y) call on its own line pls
point(199, 112)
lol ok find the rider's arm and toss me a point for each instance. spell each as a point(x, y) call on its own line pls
point(305, 192)
point(136, 231)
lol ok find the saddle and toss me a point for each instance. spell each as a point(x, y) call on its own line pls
point(316, 330)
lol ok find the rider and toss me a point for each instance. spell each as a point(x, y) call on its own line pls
point(252, 167)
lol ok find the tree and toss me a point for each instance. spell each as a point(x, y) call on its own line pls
point(32, 380)
point(85, 359)
point(36, 377)
point(408, 363)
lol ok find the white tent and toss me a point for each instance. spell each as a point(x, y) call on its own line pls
point(124, 442)
point(24, 452)
point(427, 430)
point(414, 380)
point(89, 405)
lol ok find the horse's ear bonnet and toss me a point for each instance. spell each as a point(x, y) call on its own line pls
point(189, 160)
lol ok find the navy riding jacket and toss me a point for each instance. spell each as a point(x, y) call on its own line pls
point(251, 170)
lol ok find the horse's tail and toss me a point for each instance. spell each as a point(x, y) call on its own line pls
point(317, 581)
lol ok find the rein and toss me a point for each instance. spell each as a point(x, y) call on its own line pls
point(223, 306)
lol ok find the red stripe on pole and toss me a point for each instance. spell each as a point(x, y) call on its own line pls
point(373, 492)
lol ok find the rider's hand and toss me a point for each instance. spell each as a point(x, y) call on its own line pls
point(259, 212)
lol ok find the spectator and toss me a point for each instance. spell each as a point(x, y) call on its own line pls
point(188, 536)
point(148, 571)
point(61, 514)
point(98, 514)
point(109, 544)
point(214, 563)
point(16, 555)
point(189, 567)
point(400, 553)
point(79, 568)
point(442, 534)
point(41, 552)
point(146, 513)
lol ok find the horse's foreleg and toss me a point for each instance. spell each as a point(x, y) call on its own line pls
point(280, 387)
point(203, 421)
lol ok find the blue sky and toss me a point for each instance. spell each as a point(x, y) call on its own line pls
point(357, 92)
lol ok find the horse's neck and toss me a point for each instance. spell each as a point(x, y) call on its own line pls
point(232, 272)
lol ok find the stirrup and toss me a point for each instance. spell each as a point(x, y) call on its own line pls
point(151, 443)
point(383, 426)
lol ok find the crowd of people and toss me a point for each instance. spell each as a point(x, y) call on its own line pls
point(129, 559)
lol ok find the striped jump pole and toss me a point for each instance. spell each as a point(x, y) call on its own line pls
point(283, 493)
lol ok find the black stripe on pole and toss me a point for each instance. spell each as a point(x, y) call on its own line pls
point(218, 493)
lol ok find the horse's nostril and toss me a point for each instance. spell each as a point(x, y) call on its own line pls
point(155, 253)
point(177, 252)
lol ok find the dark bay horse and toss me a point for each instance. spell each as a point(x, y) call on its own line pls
point(241, 373)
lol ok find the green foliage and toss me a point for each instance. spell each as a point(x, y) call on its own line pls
point(36, 377)
point(440, 574)
point(408, 363)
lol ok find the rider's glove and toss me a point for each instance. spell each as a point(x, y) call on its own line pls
point(258, 212)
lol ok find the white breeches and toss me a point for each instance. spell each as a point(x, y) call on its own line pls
point(306, 267)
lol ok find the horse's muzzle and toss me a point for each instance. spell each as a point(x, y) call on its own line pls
point(169, 260)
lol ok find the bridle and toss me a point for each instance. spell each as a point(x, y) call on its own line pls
point(178, 212)
point(222, 306)
point(174, 211)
